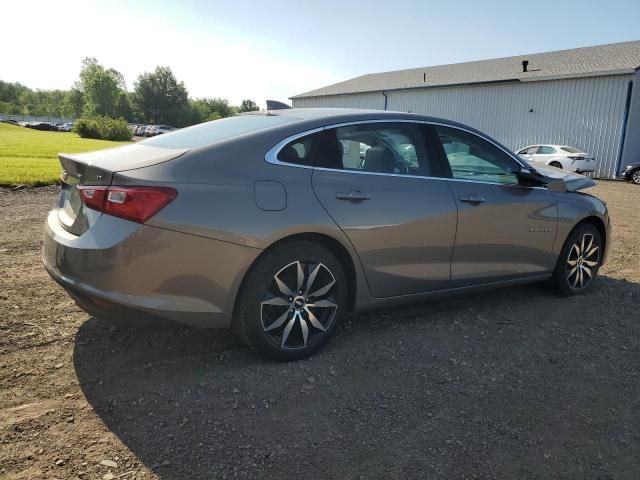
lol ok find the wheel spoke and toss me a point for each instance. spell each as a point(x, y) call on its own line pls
point(305, 330)
point(575, 248)
point(282, 287)
point(279, 322)
point(589, 263)
point(580, 278)
point(323, 290)
point(277, 301)
point(587, 271)
point(322, 304)
point(314, 321)
point(300, 276)
point(572, 262)
point(287, 329)
point(573, 270)
point(312, 278)
point(591, 252)
point(590, 243)
point(581, 249)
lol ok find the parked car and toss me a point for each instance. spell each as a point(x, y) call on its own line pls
point(149, 131)
point(202, 227)
point(45, 126)
point(559, 156)
point(139, 131)
point(9, 121)
point(160, 129)
point(631, 173)
point(65, 127)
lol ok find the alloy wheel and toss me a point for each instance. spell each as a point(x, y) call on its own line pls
point(584, 256)
point(635, 177)
point(299, 305)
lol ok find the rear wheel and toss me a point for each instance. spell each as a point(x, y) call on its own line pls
point(579, 261)
point(556, 165)
point(292, 301)
point(635, 176)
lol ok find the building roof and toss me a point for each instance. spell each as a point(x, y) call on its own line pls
point(614, 58)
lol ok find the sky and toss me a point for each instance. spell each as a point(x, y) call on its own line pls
point(274, 49)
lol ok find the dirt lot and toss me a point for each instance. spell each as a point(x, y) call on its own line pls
point(508, 384)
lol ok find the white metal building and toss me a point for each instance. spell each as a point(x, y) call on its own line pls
point(585, 97)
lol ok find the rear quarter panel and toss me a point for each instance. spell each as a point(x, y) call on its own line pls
point(216, 197)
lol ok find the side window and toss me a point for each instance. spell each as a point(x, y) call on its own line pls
point(473, 158)
point(528, 151)
point(393, 148)
point(546, 150)
point(297, 152)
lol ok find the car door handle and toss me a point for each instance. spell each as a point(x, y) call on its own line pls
point(473, 199)
point(352, 195)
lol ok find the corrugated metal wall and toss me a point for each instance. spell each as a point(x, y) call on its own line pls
point(586, 113)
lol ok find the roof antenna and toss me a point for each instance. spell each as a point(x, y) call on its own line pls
point(525, 65)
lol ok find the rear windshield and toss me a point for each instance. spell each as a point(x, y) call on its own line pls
point(570, 150)
point(215, 131)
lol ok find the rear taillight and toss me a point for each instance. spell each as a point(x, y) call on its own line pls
point(137, 204)
point(576, 158)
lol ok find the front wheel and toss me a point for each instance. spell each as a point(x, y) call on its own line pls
point(635, 176)
point(292, 301)
point(579, 261)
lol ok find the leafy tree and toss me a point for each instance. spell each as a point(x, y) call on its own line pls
point(73, 104)
point(161, 98)
point(101, 88)
point(248, 106)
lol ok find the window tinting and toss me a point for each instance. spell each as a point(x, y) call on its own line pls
point(215, 131)
point(571, 150)
point(393, 148)
point(473, 158)
point(298, 151)
point(528, 151)
point(546, 150)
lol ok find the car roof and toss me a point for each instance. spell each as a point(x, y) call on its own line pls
point(345, 115)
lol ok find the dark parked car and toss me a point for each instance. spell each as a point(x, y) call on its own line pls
point(44, 126)
point(277, 225)
point(631, 173)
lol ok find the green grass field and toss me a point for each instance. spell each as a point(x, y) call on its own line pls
point(30, 157)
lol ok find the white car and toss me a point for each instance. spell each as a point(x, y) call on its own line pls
point(559, 156)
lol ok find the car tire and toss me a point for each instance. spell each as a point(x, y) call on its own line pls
point(634, 176)
point(291, 301)
point(579, 261)
point(556, 165)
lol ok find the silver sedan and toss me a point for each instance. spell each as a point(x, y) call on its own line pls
point(280, 223)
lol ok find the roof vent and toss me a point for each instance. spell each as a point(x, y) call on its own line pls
point(525, 65)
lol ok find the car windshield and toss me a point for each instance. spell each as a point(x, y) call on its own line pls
point(215, 131)
point(571, 150)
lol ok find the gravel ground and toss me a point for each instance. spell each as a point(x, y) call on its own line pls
point(514, 383)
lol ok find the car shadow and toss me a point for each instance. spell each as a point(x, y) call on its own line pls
point(428, 389)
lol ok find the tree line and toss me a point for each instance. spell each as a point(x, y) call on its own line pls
point(157, 98)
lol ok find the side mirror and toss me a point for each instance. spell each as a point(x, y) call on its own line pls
point(530, 177)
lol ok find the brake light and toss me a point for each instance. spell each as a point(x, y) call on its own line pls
point(137, 204)
point(576, 158)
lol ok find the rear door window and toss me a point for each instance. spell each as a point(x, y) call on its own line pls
point(546, 150)
point(391, 148)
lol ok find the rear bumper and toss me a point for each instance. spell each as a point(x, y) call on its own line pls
point(122, 270)
point(582, 166)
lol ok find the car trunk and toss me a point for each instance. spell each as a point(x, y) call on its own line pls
point(97, 169)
